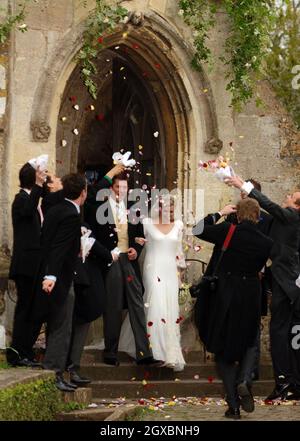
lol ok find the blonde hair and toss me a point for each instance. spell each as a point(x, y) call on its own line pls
point(248, 209)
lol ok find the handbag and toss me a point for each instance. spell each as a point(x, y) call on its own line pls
point(210, 283)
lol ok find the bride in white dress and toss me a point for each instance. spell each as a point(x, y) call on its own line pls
point(163, 260)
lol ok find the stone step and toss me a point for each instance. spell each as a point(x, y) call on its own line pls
point(92, 355)
point(156, 389)
point(126, 371)
point(85, 415)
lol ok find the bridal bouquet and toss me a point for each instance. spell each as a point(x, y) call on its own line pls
point(123, 159)
point(87, 243)
point(220, 167)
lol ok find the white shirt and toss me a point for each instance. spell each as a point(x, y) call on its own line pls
point(119, 211)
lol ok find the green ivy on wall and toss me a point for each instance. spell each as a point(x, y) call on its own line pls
point(251, 23)
point(12, 20)
point(102, 21)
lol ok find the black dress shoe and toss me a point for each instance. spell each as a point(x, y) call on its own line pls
point(233, 413)
point(246, 397)
point(280, 392)
point(70, 384)
point(294, 393)
point(111, 361)
point(78, 379)
point(148, 361)
point(62, 386)
point(25, 362)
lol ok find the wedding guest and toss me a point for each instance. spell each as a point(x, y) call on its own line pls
point(54, 300)
point(285, 306)
point(123, 279)
point(27, 218)
point(89, 301)
point(53, 192)
point(230, 314)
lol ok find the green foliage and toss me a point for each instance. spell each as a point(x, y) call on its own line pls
point(251, 22)
point(284, 56)
point(4, 365)
point(38, 400)
point(101, 22)
point(11, 21)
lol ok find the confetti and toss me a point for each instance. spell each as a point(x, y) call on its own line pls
point(117, 47)
point(76, 131)
point(196, 377)
point(163, 320)
point(146, 305)
point(210, 379)
point(177, 380)
point(100, 117)
point(73, 99)
point(125, 34)
point(141, 353)
point(63, 118)
point(150, 324)
point(157, 65)
point(63, 143)
point(135, 46)
point(197, 248)
point(76, 107)
point(100, 39)
point(156, 134)
point(133, 379)
point(129, 278)
point(158, 279)
point(122, 68)
point(91, 107)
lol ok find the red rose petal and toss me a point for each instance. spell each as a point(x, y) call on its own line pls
point(157, 65)
point(73, 99)
point(100, 40)
point(163, 320)
point(100, 117)
point(129, 278)
point(158, 279)
point(210, 379)
point(150, 323)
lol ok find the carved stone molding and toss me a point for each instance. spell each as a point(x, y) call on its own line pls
point(136, 18)
point(40, 131)
point(213, 146)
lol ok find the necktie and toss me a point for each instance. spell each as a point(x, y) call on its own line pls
point(41, 214)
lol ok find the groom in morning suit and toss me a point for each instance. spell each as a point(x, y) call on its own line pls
point(123, 279)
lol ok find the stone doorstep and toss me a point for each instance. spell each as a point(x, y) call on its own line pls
point(118, 414)
point(13, 376)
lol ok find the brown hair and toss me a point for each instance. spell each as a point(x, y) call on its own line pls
point(120, 177)
point(248, 209)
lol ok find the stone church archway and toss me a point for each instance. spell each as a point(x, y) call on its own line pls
point(151, 60)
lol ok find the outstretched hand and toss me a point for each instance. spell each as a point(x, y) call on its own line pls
point(234, 181)
point(228, 209)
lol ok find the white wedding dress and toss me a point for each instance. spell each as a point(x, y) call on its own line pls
point(163, 256)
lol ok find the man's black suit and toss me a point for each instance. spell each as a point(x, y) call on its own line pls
point(285, 307)
point(24, 266)
point(123, 285)
point(60, 244)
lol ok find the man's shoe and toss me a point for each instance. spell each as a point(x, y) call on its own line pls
point(25, 362)
point(111, 361)
point(70, 384)
point(233, 413)
point(78, 379)
point(280, 392)
point(246, 397)
point(294, 393)
point(62, 386)
point(148, 361)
